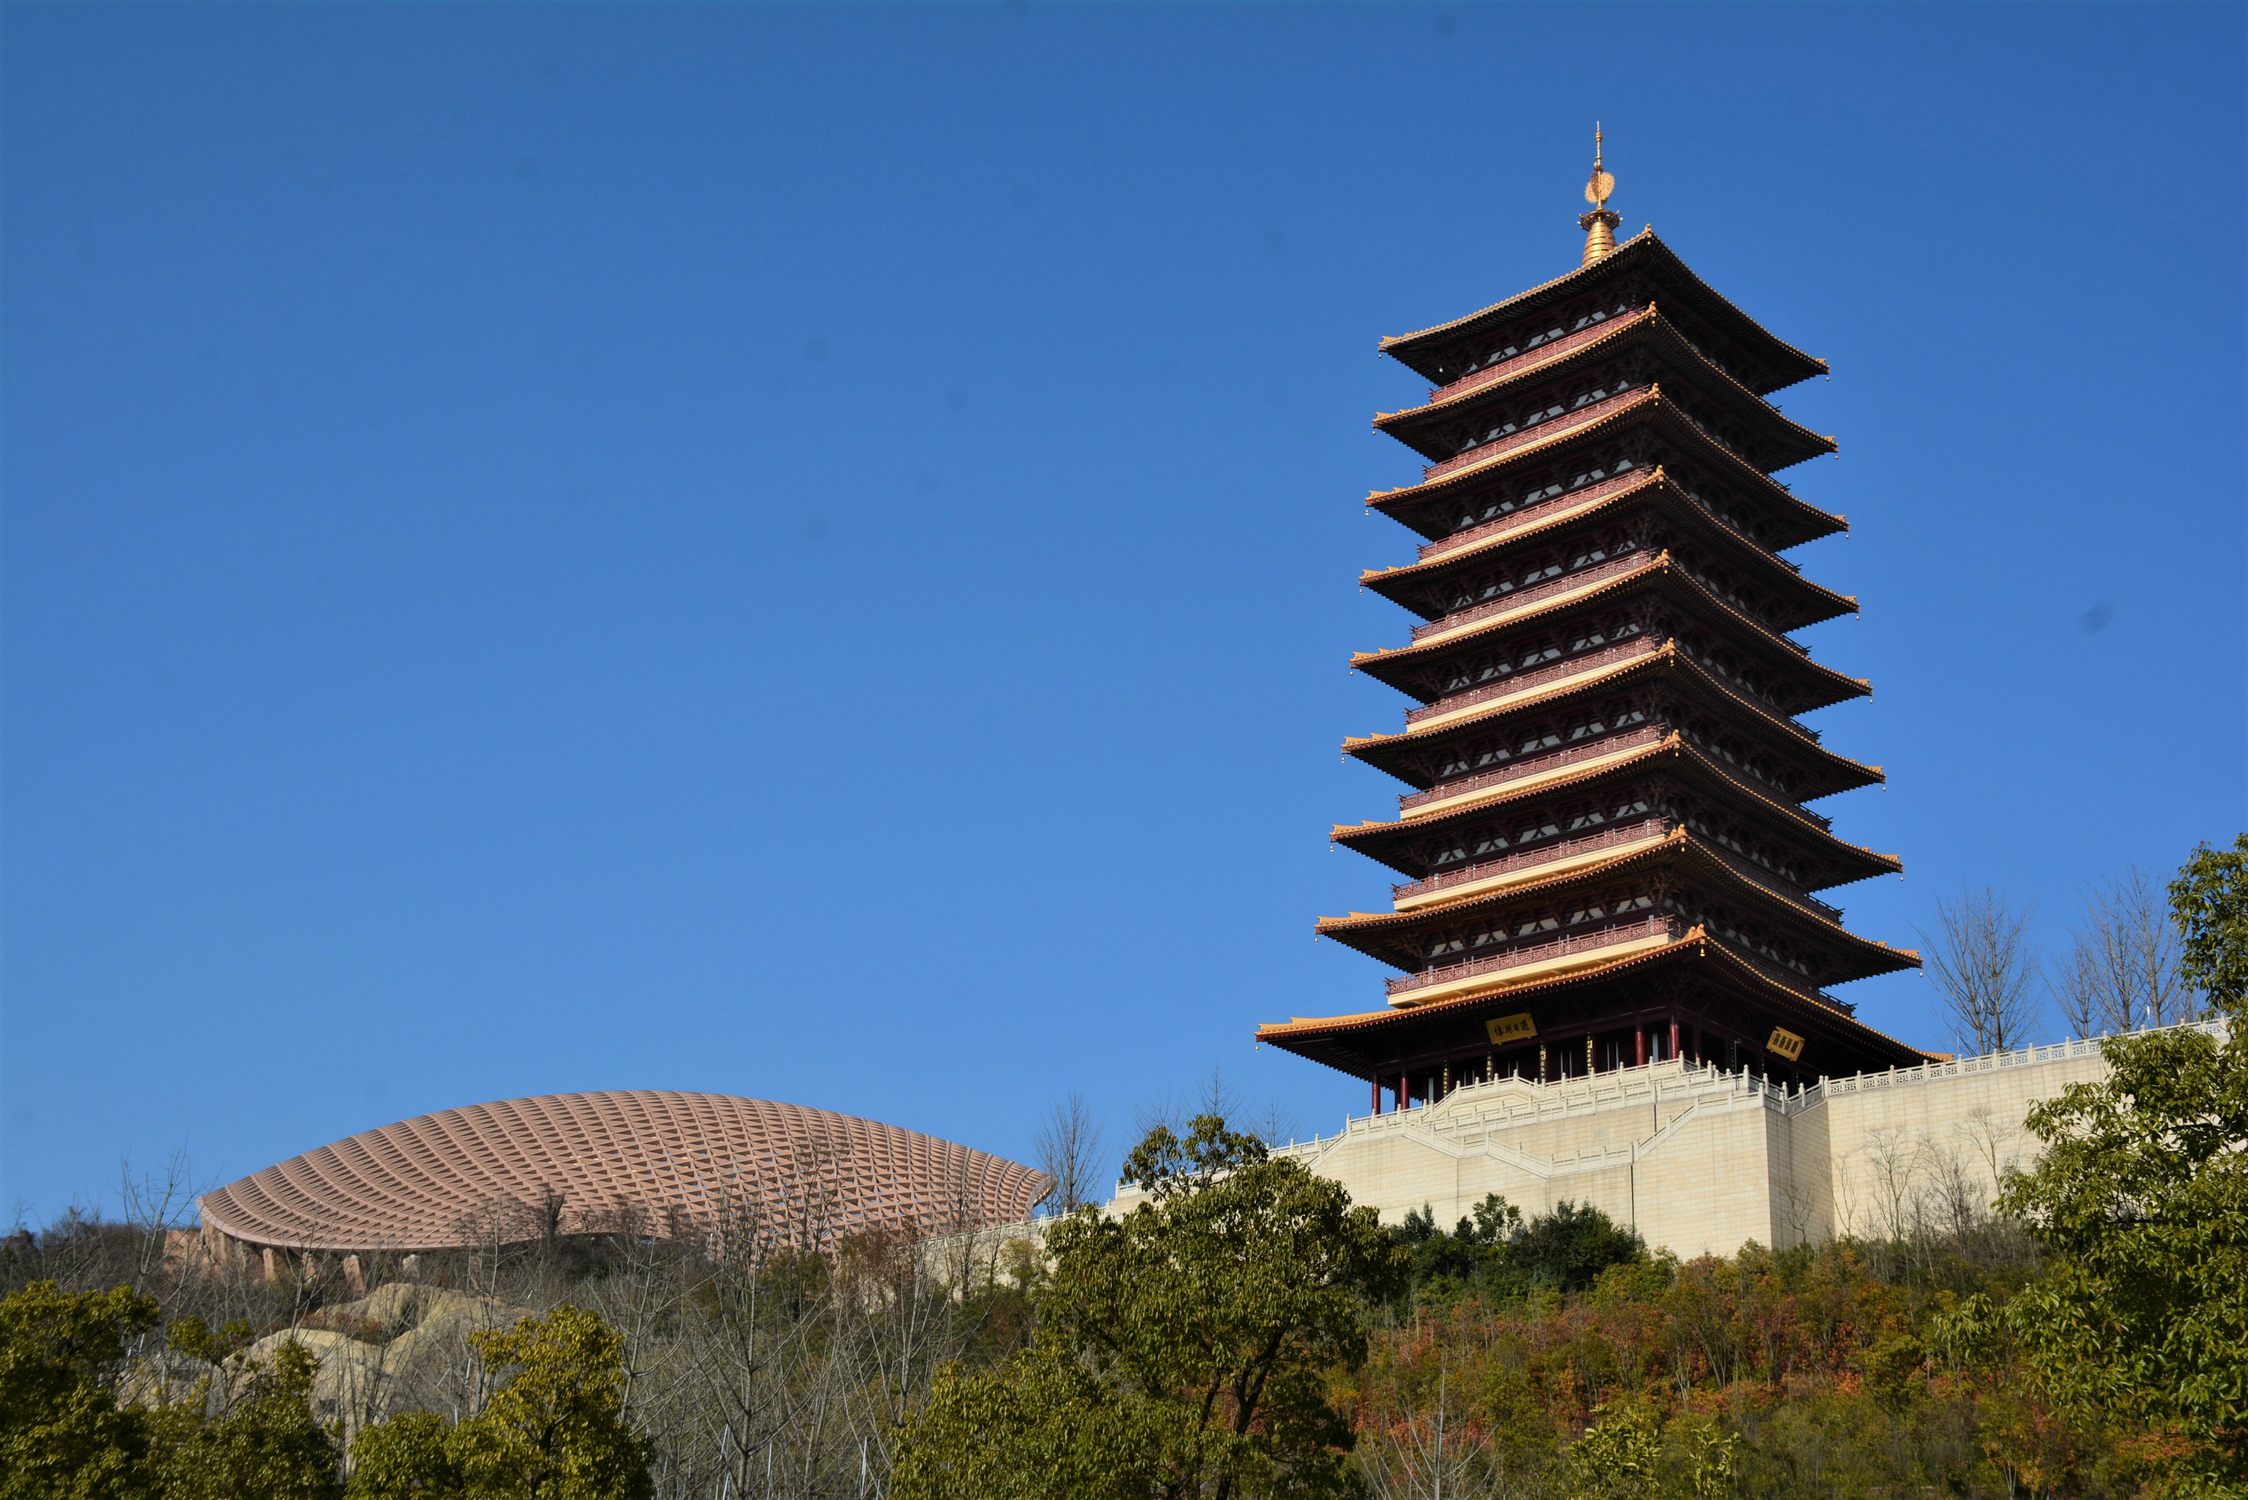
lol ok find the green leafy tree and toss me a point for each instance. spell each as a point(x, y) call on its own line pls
point(408, 1457)
point(2141, 1196)
point(1711, 1456)
point(555, 1431)
point(1619, 1456)
point(2209, 901)
point(269, 1446)
point(1568, 1249)
point(62, 1436)
point(195, 1338)
point(1473, 1252)
point(1572, 1245)
point(1182, 1348)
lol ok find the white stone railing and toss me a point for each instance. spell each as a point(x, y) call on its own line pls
point(1988, 1062)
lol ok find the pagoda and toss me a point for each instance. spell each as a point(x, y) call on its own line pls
point(1608, 855)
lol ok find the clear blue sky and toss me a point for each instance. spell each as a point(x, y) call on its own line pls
point(810, 553)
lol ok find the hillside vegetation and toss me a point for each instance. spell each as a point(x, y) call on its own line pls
point(1244, 1332)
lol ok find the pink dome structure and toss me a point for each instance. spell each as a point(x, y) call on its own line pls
point(643, 1160)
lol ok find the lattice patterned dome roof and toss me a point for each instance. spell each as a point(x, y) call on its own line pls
point(592, 1163)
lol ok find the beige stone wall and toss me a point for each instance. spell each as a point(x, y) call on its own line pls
point(1916, 1141)
point(1683, 1152)
point(1703, 1161)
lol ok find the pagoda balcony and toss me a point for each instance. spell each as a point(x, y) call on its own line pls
point(1608, 322)
point(1532, 513)
point(1643, 831)
point(1645, 933)
point(1525, 681)
point(1458, 619)
point(1637, 739)
point(1598, 750)
point(1591, 411)
point(1646, 830)
point(1600, 489)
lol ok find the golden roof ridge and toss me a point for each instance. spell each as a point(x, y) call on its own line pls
point(1551, 356)
point(1667, 653)
point(1389, 341)
point(1530, 527)
point(1362, 1020)
point(1530, 609)
point(1644, 243)
point(1695, 938)
point(1647, 317)
point(1644, 401)
point(1674, 744)
point(1787, 576)
point(1774, 643)
point(1681, 840)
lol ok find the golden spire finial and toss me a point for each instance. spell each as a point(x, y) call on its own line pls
point(1599, 225)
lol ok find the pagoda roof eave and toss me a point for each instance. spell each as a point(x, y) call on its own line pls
point(1667, 657)
point(1645, 246)
point(1328, 1039)
point(1875, 957)
point(1692, 761)
point(1645, 325)
point(1822, 603)
point(1648, 405)
point(1665, 572)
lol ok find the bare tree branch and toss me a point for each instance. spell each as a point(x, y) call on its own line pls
point(2121, 971)
point(1068, 1149)
point(1980, 958)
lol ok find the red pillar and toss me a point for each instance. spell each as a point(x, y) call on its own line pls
point(1674, 1036)
point(1639, 1046)
point(1376, 1079)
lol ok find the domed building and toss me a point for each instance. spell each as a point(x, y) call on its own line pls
point(652, 1162)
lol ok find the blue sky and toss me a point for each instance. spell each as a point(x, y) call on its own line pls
point(810, 552)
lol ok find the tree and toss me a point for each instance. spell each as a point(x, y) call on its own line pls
point(1618, 1457)
point(1493, 1248)
point(62, 1436)
point(1572, 1245)
point(2121, 970)
point(2209, 902)
point(1182, 1348)
point(555, 1431)
point(1068, 1148)
point(1980, 958)
point(408, 1457)
point(2141, 1197)
point(268, 1447)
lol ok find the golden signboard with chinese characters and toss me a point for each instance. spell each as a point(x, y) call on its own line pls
point(1785, 1044)
point(1514, 1028)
